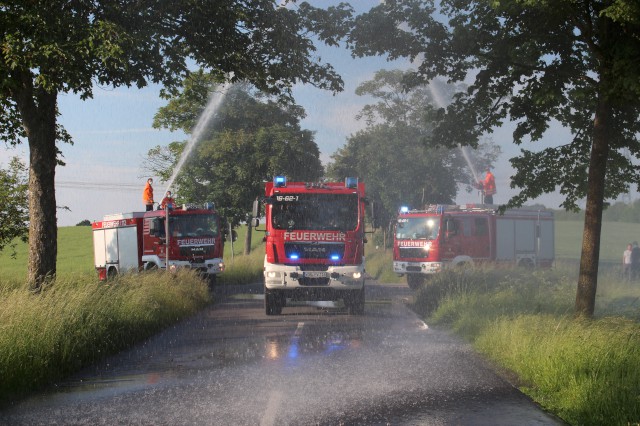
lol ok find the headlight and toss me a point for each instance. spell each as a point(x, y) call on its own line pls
point(273, 274)
point(357, 275)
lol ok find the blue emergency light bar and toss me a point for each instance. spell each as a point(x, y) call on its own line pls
point(404, 209)
point(351, 182)
point(335, 257)
point(294, 256)
point(280, 181)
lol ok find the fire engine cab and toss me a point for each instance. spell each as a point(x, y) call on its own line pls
point(440, 236)
point(187, 236)
point(315, 236)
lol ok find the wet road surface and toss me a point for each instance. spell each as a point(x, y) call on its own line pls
point(312, 365)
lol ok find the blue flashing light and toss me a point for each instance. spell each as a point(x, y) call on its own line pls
point(351, 182)
point(404, 209)
point(294, 256)
point(335, 257)
point(280, 181)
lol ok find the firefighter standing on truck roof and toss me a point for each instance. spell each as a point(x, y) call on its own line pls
point(167, 202)
point(488, 187)
point(147, 195)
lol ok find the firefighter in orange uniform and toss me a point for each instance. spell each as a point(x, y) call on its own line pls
point(488, 187)
point(167, 202)
point(147, 195)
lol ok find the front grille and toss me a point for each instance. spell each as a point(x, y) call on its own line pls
point(413, 252)
point(196, 251)
point(314, 251)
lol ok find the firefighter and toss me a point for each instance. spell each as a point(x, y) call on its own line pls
point(167, 202)
point(488, 187)
point(147, 195)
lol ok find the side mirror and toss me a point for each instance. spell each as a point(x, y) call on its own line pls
point(234, 235)
point(256, 209)
point(375, 210)
point(256, 222)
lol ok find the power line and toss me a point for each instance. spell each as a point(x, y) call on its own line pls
point(99, 186)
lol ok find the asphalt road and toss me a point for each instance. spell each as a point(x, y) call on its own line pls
point(312, 365)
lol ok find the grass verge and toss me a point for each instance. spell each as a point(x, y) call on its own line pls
point(584, 371)
point(78, 321)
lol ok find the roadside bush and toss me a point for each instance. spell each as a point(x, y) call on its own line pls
point(78, 321)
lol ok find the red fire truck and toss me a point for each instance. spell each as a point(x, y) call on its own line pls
point(427, 241)
point(315, 236)
point(187, 236)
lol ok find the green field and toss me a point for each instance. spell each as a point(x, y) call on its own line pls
point(615, 237)
point(75, 253)
point(75, 247)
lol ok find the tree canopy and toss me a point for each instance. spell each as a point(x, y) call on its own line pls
point(250, 140)
point(14, 212)
point(531, 62)
point(50, 47)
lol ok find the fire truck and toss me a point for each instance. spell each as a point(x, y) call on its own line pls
point(184, 237)
point(440, 236)
point(315, 236)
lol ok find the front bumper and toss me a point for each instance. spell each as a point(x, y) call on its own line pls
point(278, 276)
point(403, 267)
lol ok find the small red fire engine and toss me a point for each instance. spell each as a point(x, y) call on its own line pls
point(187, 236)
point(427, 241)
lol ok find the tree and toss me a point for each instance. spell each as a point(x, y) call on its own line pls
point(56, 46)
point(532, 62)
point(391, 156)
point(250, 140)
point(14, 211)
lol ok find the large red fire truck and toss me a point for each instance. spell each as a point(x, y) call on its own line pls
point(427, 241)
point(187, 236)
point(315, 236)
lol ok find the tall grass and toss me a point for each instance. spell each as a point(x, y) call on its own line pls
point(77, 321)
point(585, 371)
point(379, 265)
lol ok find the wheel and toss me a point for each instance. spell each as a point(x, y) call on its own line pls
point(112, 273)
point(526, 263)
point(415, 281)
point(211, 281)
point(355, 302)
point(151, 267)
point(273, 302)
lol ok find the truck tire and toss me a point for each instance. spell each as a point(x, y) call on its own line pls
point(112, 273)
point(355, 302)
point(273, 302)
point(415, 281)
point(211, 281)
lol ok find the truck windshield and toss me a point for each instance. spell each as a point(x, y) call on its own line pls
point(419, 228)
point(337, 212)
point(194, 225)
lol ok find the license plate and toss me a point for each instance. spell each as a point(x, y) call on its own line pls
point(315, 274)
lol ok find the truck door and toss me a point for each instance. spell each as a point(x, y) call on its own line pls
point(480, 240)
point(453, 237)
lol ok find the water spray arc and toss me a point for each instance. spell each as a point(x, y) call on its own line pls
point(440, 101)
point(213, 105)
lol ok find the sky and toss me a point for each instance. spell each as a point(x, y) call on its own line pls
point(113, 132)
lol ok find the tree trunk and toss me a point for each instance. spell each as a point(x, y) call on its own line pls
point(247, 238)
point(588, 279)
point(38, 110)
